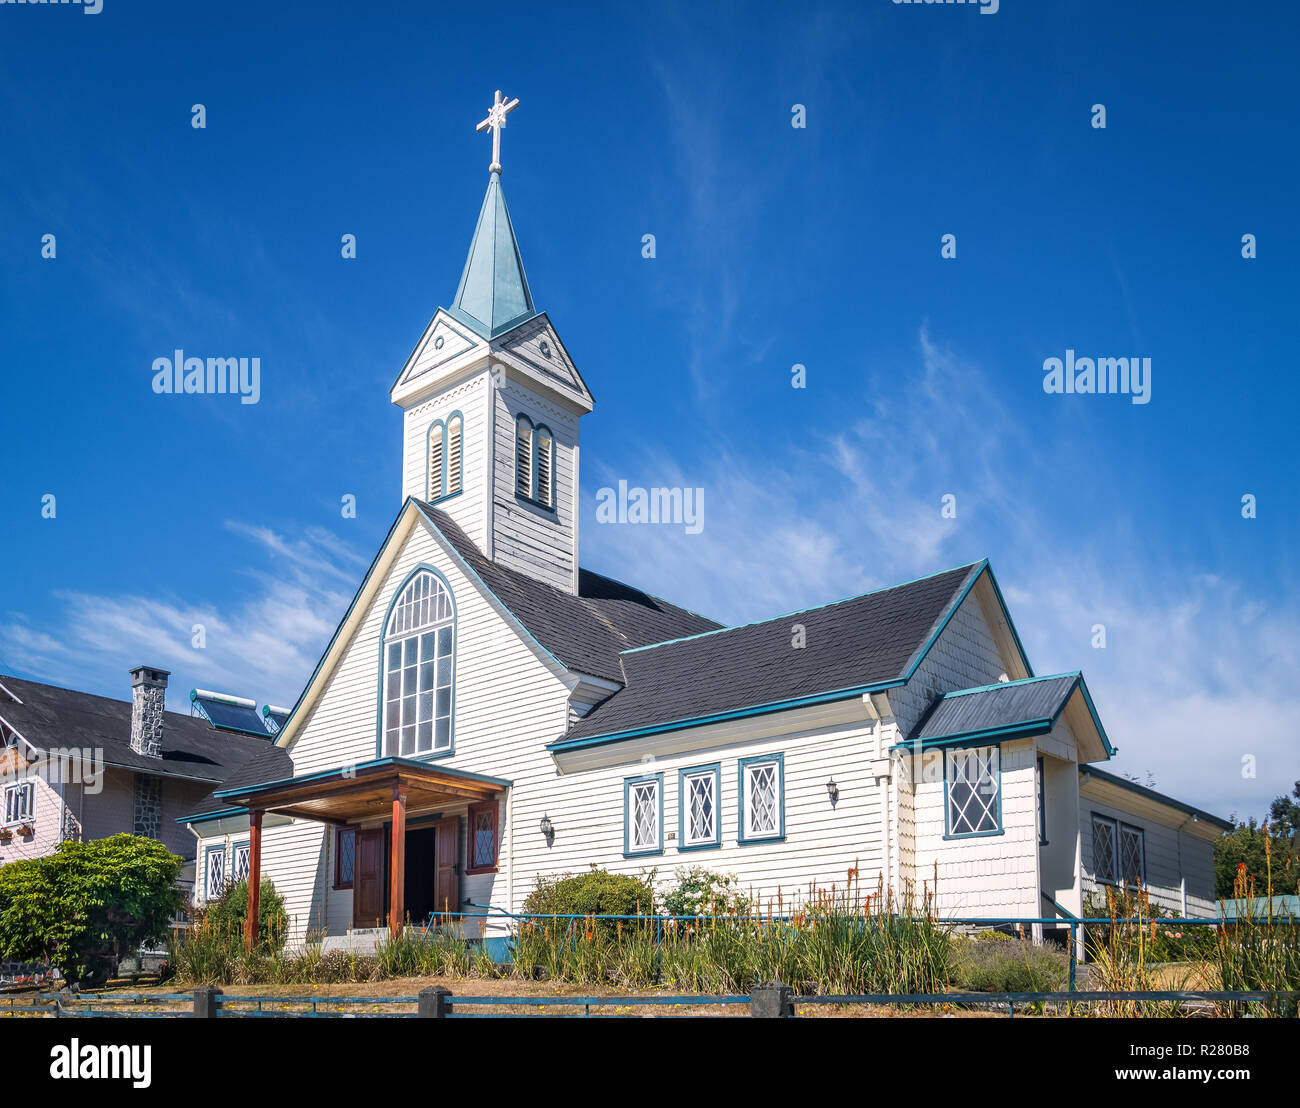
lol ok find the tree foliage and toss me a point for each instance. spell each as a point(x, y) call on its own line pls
point(226, 914)
point(1269, 859)
point(88, 904)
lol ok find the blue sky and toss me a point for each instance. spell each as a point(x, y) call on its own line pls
point(775, 246)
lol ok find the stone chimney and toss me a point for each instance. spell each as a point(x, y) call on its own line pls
point(148, 694)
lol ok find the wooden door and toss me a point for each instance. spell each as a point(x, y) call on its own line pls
point(446, 888)
point(368, 885)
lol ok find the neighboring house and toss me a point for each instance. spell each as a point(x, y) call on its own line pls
point(488, 713)
point(77, 766)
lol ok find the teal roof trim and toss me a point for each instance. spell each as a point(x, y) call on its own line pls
point(207, 817)
point(562, 745)
point(980, 567)
point(1017, 729)
point(1151, 794)
point(1010, 684)
point(493, 296)
point(360, 767)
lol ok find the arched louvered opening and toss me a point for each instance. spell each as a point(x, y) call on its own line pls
point(455, 427)
point(524, 456)
point(419, 665)
point(437, 448)
point(545, 490)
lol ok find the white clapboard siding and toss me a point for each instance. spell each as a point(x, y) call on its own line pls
point(1172, 855)
point(989, 875)
point(538, 542)
point(507, 706)
point(995, 875)
point(470, 399)
point(822, 841)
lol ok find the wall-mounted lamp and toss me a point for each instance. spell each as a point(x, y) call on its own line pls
point(548, 828)
point(832, 790)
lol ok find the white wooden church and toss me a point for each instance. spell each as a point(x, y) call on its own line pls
point(488, 711)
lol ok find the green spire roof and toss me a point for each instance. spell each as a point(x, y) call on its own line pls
point(493, 295)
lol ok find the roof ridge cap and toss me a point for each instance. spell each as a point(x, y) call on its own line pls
point(814, 608)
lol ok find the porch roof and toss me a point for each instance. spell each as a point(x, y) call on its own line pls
point(365, 790)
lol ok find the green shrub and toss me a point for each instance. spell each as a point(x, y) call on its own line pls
point(598, 892)
point(700, 892)
point(88, 904)
point(995, 963)
point(227, 914)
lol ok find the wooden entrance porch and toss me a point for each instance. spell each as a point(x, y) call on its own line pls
point(382, 790)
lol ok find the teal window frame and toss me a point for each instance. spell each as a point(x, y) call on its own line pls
point(947, 805)
point(435, 753)
point(683, 813)
point(743, 838)
point(208, 894)
point(628, 784)
point(535, 431)
point(234, 858)
point(1111, 878)
point(342, 882)
point(1142, 853)
point(443, 493)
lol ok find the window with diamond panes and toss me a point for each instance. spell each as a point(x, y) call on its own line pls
point(643, 815)
point(482, 838)
point(974, 782)
point(214, 872)
point(761, 782)
point(418, 653)
point(1104, 849)
point(700, 799)
point(1132, 855)
point(345, 855)
point(239, 870)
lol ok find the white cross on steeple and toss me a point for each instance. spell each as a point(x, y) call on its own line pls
point(496, 120)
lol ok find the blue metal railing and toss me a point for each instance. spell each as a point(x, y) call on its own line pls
point(1065, 921)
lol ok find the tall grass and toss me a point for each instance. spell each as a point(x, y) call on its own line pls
point(837, 941)
point(1255, 952)
point(1122, 949)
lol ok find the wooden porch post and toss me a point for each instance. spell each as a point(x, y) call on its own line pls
point(254, 876)
point(397, 875)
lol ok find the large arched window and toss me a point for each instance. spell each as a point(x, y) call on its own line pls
point(419, 663)
point(446, 451)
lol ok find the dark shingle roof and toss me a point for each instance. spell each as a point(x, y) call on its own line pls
point(867, 640)
point(270, 764)
point(586, 632)
point(1007, 704)
point(52, 718)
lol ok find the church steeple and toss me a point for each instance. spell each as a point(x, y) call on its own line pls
point(493, 295)
point(491, 403)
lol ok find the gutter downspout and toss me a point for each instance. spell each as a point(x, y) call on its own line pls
point(1182, 874)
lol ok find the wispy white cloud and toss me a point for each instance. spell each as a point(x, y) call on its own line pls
point(1196, 673)
point(264, 645)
